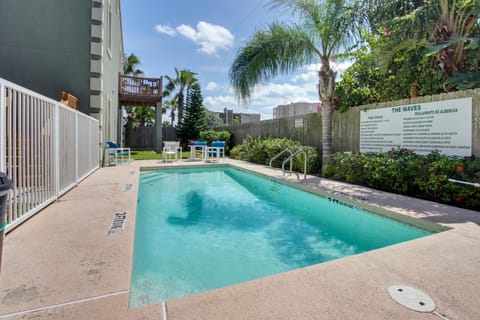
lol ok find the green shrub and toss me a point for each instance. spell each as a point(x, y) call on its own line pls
point(212, 135)
point(261, 150)
point(402, 171)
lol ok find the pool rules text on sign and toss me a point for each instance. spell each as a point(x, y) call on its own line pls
point(445, 126)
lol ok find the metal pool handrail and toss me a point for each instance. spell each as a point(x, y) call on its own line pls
point(290, 159)
point(279, 154)
point(473, 184)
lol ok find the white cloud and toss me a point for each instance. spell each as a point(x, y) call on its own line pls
point(211, 38)
point(187, 31)
point(217, 103)
point(342, 66)
point(310, 75)
point(211, 86)
point(166, 30)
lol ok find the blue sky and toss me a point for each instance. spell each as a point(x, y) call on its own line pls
point(204, 36)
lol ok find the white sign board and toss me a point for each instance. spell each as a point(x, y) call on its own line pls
point(299, 123)
point(445, 126)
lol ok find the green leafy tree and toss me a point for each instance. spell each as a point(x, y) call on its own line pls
point(213, 120)
point(414, 48)
point(140, 116)
point(411, 74)
point(327, 28)
point(443, 31)
point(184, 80)
point(193, 120)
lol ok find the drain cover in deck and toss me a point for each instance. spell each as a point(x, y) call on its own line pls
point(118, 223)
point(411, 298)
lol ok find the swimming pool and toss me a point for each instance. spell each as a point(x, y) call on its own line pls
point(199, 229)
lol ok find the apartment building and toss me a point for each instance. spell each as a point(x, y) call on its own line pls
point(51, 46)
point(229, 117)
point(295, 109)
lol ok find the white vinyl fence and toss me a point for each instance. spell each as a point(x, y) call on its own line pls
point(46, 148)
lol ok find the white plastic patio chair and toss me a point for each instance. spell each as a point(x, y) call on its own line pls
point(171, 148)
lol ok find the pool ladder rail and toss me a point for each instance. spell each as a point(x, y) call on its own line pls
point(278, 155)
point(290, 158)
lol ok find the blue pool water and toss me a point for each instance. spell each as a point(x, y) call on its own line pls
point(203, 228)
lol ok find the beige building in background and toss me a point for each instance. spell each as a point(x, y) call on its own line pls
point(228, 117)
point(295, 109)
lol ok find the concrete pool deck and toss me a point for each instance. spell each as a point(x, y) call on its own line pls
point(61, 264)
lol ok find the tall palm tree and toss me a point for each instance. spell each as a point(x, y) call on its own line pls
point(184, 80)
point(328, 28)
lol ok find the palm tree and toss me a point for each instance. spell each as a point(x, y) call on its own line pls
point(136, 116)
point(172, 105)
point(328, 27)
point(184, 80)
point(130, 64)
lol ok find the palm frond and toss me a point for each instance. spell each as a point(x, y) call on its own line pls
point(280, 49)
point(333, 24)
point(466, 80)
point(439, 47)
point(474, 44)
point(170, 86)
point(386, 54)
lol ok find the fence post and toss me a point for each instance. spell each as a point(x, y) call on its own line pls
point(56, 148)
point(158, 141)
point(3, 127)
point(76, 148)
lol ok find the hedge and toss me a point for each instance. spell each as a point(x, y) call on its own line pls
point(404, 172)
point(260, 150)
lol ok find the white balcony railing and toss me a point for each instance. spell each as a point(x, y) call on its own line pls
point(46, 148)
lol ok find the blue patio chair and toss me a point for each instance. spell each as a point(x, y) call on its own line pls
point(216, 151)
point(198, 146)
point(117, 155)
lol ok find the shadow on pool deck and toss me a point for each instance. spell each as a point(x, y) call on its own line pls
point(61, 264)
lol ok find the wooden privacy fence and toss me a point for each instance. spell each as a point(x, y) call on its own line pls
point(142, 138)
point(307, 129)
point(46, 148)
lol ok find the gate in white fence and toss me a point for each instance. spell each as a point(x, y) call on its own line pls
point(46, 148)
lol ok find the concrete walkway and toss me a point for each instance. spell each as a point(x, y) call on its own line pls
point(62, 264)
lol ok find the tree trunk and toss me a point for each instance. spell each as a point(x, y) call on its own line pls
point(172, 116)
point(326, 133)
point(326, 89)
point(180, 107)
